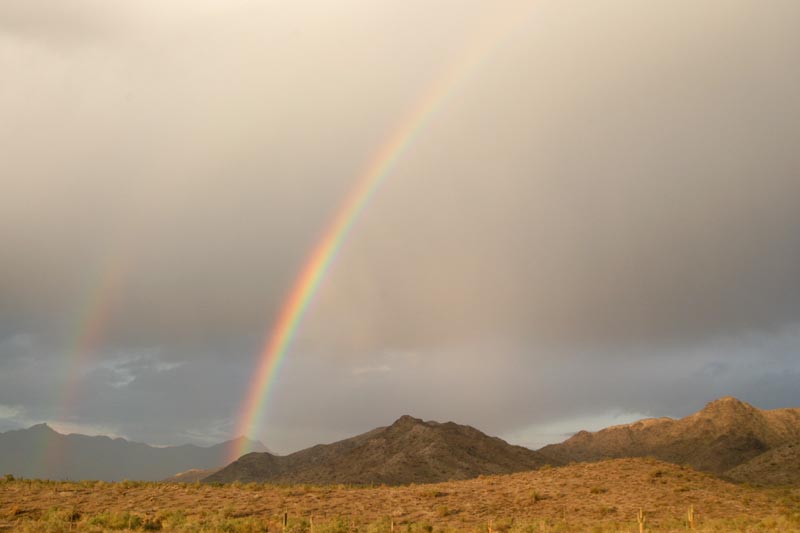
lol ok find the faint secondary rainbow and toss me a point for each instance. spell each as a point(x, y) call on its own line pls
point(367, 184)
point(89, 330)
point(87, 335)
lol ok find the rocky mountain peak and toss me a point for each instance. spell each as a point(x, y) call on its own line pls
point(42, 428)
point(728, 403)
point(727, 410)
point(407, 421)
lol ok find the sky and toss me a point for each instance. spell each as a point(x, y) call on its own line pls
point(597, 222)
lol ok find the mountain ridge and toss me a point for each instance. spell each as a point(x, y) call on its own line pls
point(727, 437)
point(41, 452)
point(726, 433)
point(409, 450)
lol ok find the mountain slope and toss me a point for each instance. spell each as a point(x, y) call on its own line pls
point(191, 476)
point(41, 452)
point(723, 435)
point(778, 466)
point(408, 451)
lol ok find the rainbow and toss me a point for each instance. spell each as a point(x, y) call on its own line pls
point(88, 332)
point(367, 185)
point(89, 329)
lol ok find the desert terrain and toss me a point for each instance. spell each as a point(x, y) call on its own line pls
point(604, 496)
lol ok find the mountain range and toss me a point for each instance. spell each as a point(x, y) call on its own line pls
point(729, 438)
point(41, 452)
point(408, 451)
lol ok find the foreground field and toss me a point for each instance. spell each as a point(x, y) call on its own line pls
point(597, 497)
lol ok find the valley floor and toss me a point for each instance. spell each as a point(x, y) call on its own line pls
point(594, 497)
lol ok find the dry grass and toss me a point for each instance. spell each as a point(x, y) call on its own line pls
point(594, 497)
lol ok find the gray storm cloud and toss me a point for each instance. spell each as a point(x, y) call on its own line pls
point(609, 194)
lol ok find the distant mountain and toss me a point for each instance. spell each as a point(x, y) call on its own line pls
point(728, 437)
point(41, 452)
point(725, 434)
point(408, 451)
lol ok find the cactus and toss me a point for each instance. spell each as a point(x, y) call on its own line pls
point(690, 516)
point(641, 518)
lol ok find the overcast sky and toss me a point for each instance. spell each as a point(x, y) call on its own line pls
point(598, 223)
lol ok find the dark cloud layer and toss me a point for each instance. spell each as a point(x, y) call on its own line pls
point(600, 219)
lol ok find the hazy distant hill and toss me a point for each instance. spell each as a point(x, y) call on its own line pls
point(725, 434)
point(408, 451)
point(41, 452)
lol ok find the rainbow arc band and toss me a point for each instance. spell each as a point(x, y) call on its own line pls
point(367, 185)
point(96, 312)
